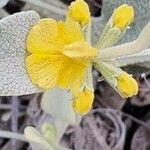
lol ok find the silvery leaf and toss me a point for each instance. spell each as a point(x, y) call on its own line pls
point(3, 13)
point(57, 102)
point(97, 27)
point(3, 3)
point(14, 79)
point(47, 8)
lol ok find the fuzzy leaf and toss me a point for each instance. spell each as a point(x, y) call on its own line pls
point(3, 3)
point(14, 79)
point(57, 102)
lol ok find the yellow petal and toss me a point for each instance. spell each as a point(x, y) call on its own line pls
point(123, 16)
point(80, 50)
point(49, 37)
point(82, 103)
point(48, 71)
point(47, 66)
point(43, 37)
point(44, 69)
point(72, 74)
point(69, 32)
point(79, 12)
point(126, 85)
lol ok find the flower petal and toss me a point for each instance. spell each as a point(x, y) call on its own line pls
point(72, 74)
point(44, 69)
point(43, 37)
point(49, 37)
point(70, 32)
point(80, 50)
point(48, 71)
point(83, 102)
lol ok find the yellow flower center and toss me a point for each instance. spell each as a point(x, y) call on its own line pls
point(122, 16)
point(126, 85)
point(79, 12)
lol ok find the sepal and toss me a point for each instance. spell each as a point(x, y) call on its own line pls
point(109, 72)
point(110, 36)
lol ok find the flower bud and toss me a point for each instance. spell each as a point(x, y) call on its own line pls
point(126, 85)
point(123, 16)
point(82, 103)
point(79, 12)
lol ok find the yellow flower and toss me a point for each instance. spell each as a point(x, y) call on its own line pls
point(126, 85)
point(59, 55)
point(123, 16)
point(82, 103)
point(79, 12)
